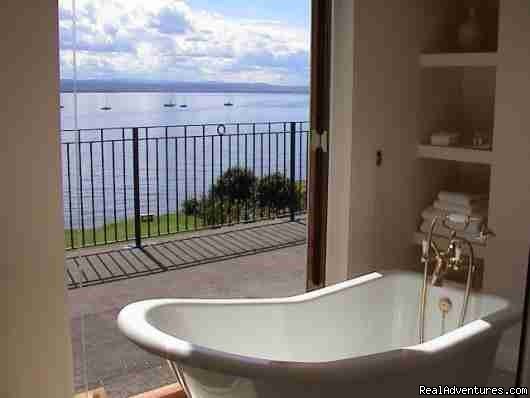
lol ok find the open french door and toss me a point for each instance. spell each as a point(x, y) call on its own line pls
point(318, 155)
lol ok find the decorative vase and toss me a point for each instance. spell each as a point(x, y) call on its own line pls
point(469, 33)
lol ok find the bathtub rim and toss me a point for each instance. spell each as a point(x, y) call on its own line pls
point(132, 321)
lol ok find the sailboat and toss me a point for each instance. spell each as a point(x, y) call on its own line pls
point(170, 104)
point(183, 105)
point(106, 107)
point(228, 103)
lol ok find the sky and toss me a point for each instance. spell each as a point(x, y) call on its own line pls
point(249, 41)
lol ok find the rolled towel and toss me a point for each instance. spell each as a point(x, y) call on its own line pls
point(477, 208)
point(442, 231)
point(474, 225)
point(460, 198)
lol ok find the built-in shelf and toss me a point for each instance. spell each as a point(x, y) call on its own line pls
point(442, 60)
point(479, 248)
point(458, 154)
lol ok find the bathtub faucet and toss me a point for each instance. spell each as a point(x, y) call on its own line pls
point(448, 260)
point(445, 261)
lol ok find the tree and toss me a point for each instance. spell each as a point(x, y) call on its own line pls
point(274, 192)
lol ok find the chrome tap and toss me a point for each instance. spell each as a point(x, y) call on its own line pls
point(447, 260)
point(451, 258)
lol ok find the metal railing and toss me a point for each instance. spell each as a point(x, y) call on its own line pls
point(130, 183)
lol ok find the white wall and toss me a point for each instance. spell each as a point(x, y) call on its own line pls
point(375, 90)
point(386, 119)
point(340, 148)
point(38, 358)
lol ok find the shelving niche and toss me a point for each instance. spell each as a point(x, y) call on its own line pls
point(457, 93)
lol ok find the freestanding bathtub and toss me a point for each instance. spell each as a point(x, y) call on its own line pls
point(355, 339)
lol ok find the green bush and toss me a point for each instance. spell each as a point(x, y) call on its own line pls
point(274, 192)
point(191, 207)
point(235, 185)
point(301, 195)
point(215, 211)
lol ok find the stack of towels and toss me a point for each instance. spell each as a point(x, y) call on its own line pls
point(473, 205)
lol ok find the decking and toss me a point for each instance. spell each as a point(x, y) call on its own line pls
point(101, 265)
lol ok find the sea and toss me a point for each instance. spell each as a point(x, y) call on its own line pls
point(147, 109)
point(183, 149)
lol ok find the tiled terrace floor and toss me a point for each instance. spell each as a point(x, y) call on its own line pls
point(103, 357)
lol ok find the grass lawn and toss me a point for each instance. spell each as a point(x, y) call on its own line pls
point(123, 230)
point(117, 232)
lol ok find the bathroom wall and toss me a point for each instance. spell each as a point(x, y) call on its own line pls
point(388, 110)
point(38, 361)
point(341, 157)
point(379, 63)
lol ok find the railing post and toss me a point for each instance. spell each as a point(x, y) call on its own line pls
point(136, 188)
point(292, 171)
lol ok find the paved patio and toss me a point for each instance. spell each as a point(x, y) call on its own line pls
point(103, 357)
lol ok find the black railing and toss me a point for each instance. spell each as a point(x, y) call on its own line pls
point(131, 183)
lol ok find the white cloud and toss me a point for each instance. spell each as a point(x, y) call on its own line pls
point(169, 39)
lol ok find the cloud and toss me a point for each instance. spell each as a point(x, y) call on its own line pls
point(64, 13)
point(169, 39)
point(170, 21)
point(91, 40)
point(298, 60)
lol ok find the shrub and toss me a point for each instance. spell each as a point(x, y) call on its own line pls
point(191, 207)
point(214, 211)
point(301, 195)
point(274, 192)
point(236, 185)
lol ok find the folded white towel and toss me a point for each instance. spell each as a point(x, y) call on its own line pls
point(477, 208)
point(442, 231)
point(460, 198)
point(474, 225)
point(444, 138)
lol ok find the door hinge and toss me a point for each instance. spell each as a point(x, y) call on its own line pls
point(320, 140)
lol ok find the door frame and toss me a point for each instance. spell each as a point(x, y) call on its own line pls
point(317, 185)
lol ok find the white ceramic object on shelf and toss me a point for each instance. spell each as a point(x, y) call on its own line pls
point(469, 33)
point(445, 138)
point(357, 337)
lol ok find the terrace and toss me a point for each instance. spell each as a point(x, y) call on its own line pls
point(145, 207)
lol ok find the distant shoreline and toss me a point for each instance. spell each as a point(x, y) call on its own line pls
point(127, 86)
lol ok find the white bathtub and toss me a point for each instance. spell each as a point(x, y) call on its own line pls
point(356, 338)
